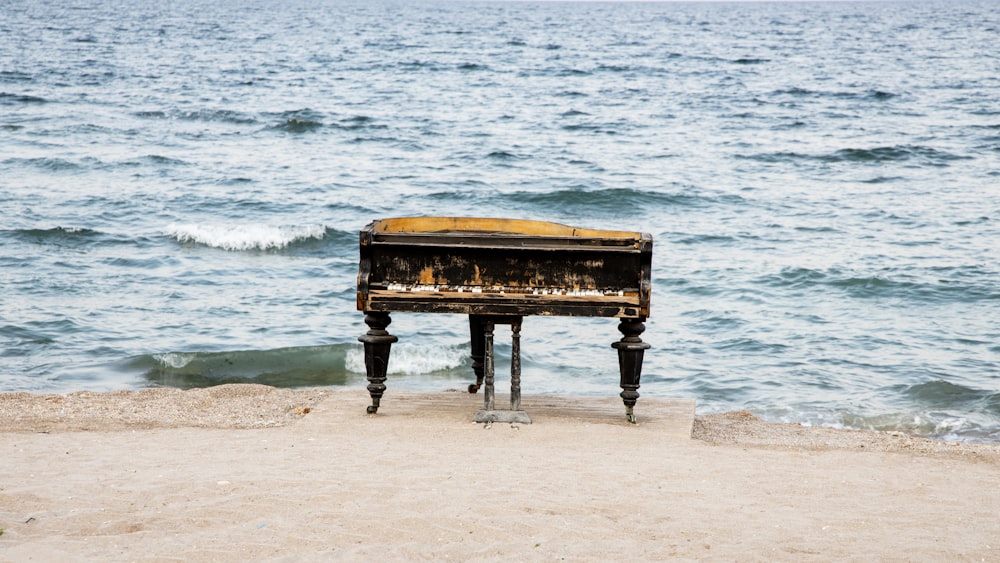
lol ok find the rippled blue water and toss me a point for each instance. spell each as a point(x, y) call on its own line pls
point(181, 186)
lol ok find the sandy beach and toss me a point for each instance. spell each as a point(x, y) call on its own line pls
point(247, 472)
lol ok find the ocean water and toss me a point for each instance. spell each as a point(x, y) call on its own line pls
point(182, 184)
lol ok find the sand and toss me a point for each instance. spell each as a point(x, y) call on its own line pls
point(247, 472)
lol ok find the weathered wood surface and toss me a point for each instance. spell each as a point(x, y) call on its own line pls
point(483, 266)
point(498, 271)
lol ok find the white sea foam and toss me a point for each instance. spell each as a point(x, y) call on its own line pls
point(412, 359)
point(244, 236)
point(175, 360)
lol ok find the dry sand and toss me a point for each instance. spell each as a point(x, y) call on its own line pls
point(246, 472)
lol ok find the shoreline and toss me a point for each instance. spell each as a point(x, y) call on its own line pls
point(248, 406)
point(248, 472)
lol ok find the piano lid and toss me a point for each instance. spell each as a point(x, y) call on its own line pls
point(493, 225)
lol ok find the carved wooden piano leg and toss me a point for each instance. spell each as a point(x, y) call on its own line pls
point(476, 341)
point(377, 344)
point(630, 351)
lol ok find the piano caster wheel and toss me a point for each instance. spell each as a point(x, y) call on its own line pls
point(630, 416)
point(473, 388)
point(372, 409)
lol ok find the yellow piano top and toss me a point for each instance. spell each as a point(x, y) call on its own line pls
point(493, 225)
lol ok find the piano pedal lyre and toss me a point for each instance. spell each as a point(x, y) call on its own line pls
point(481, 330)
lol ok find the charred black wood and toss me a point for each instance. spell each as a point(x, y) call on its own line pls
point(497, 270)
point(377, 343)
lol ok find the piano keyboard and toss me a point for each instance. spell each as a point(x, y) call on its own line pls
point(499, 290)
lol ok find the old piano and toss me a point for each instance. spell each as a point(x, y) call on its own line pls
point(498, 271)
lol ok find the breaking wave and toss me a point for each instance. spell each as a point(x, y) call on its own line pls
point(303, 366)
point(242, 237)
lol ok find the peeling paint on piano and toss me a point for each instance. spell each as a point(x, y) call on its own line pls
point(504, 269)
point(575, 272)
